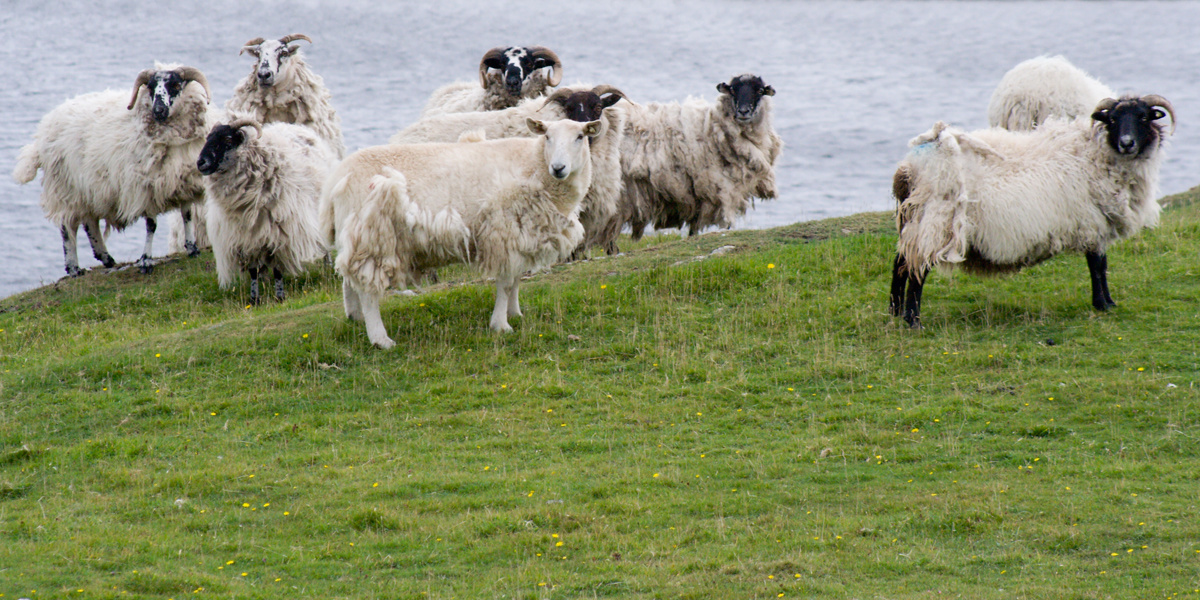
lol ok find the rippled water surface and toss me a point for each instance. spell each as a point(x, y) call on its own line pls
point(855, 80)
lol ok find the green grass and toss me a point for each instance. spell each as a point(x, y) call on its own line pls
point(749, 425)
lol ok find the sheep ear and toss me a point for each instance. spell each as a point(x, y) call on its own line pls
point(724, 88)
point(536, 126)
point(609, 100)
point(1100, 115)
point(592, 128)
point(1157, 114)
point(768, 91)
point(253, 50)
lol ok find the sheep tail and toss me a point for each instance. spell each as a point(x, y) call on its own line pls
point(28, 164)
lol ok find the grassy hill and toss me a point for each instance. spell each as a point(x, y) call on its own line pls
point(729, 416)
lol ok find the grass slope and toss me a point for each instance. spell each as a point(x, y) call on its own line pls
point(748, 425)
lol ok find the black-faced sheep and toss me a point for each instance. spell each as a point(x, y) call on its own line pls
point(994, 200)
point(1043, 88)
point(504, 206)
point(263, 190)
point(117, 160)
point(506, 76)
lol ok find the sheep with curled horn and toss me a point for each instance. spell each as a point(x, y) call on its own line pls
point(506, 77)
point(263, 192)
point(995, 201)
point(579, 103)
point(117, 160)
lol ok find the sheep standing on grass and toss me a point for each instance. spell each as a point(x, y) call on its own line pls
point(578, 103)
point(106, 158)
point(263, 192)
point(505, 206)
point(506, 76)
point(993, 201)
point(1043, 88)
point(697, 164)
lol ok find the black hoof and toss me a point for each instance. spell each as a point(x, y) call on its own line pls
point(191, 248)
point(1101, 306)
point(108, 262)
point(145, 269)
point(74, 272)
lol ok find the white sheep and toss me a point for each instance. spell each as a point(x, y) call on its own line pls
point(263, 191)
point(995, 201)
point(506, 76)
point(504, 206)
point(106, 158)
point(580, 103)
point(696, 164)
point(1043, 88)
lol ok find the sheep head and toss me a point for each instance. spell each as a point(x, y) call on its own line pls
point(743, 96)
point(518, 64)
point(165, 86)
point(566, 150)
point(1131, 124)
point(585, 105)
point(273, 56)
point(222, 141)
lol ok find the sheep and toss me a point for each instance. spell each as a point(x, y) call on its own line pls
point(105, 158)
point(263, 192)
point(579, 103)
point(996, 201)
point(696, 164)
point(506, 76)
point(1043, 88)
point(505, 206)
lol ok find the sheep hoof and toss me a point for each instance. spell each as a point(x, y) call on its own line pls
point(192, 250)
point(384, 344)
point(501, 327)
point(74, 271)
point(108, 262)
point(145, 265)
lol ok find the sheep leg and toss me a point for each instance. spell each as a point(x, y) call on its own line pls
point(912, 299)
point(499, 322)
point(899, 278)
point(145, 264)
point(376, 331)
point(1098, 267)
point(279, 293)
point(253, 285)
point(350, 301)
point(70, 250)
point(514, 302)
point(96, 238)
point(189, 232)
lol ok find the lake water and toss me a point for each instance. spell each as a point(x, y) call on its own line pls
point(855, 80)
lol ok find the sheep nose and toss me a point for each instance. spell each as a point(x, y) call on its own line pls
point(558, 171)
point(1126, 143)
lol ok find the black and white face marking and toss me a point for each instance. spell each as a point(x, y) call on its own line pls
point(218, 148)
point(587, 106)
point(164, 88)
point(746, 92)
point(1131, 126)
point(272, 58)
point(517, 64)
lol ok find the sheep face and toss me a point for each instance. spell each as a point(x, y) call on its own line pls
point(742, 96)
point(164, 88)
point(587, 105)
point(517, 65)
point(566, 148)
point(274, 57)
point(219, 149)
point(1132, 130)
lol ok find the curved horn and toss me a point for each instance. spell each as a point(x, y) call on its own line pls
point(1156, 100)
point(1106, 104)
point(193, 74)
point(246, 122)
point(142, 79)
point(601, 90)
point(555, 68)
point(496, 53)
point(287, 39)
point(559, 96)
point(250, 44)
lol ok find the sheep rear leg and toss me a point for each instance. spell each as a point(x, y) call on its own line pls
point(254, 298)
point(189, 232)
point(70, 250)
point(96, 239)
point(145, 264)
point(376, 331)
point(899, 279)
point(499, 322)
point(1098, 268)
point(514, 301)
point(280, 295)
point(912, 299)
point(351, 302)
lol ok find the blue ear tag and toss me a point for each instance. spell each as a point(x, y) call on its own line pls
point(925, 148)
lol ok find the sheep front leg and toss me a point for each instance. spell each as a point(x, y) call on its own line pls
point(376, 331)
point(912, 299)
point(1098, 268)
point(899, 279)
point(189, 232)
point(145, 264)
point(350, 301)
point(499, 322)
point(70, 250)
point(279, 293)
point(96, 238)
point(514, 302)
point(253, 271)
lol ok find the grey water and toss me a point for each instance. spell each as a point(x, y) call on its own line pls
point(854, 80)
